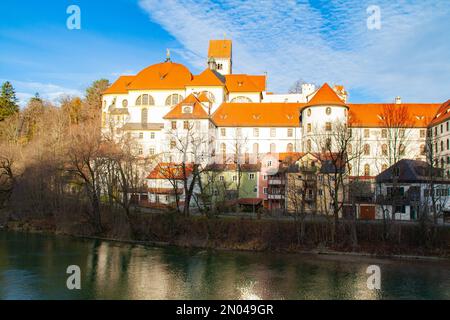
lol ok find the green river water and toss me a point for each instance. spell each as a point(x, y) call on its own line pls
point(34, 267)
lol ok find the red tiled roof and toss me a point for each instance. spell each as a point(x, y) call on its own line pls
point(220, 48)
point(371, 114)
point(325, 96)
point(257, 115)
point(166, 75)
point(170, 171)
point(245, 83)
point(208, 78)
point(191, 101)
point(442, 114)
point(120, 86)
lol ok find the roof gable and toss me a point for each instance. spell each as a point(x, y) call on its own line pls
point(208, 78)
point(197, 110)
point(325, 96)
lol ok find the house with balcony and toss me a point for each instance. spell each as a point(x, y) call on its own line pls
point(410, 189)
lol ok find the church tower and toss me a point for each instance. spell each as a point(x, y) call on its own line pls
point(220, 56)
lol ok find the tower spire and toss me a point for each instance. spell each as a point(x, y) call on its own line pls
point(168, 55)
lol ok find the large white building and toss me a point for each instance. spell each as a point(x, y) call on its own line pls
point(221, 114)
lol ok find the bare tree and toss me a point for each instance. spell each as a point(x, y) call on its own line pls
point(86, 160)
point(189, 148)
point(334, 158)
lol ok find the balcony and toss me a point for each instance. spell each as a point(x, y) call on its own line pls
point(276, 181)
point(275, 196)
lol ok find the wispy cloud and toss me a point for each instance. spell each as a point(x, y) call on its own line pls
point(322, 41)
point(52, 92)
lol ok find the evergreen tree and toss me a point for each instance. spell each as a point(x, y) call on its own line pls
point(94, 93)
point(8, 101)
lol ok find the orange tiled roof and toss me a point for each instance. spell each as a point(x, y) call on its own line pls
point(166, 170)
point(370, 114)
point(166, 75)
point(325, 96)
point(257, 115)
point(220, 48)
point(208, 78)
point(197, 109)
point(442, 114)
point(245, 83)
point(203, 97)
point(120, 85)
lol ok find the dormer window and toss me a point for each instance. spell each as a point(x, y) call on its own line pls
point(240, 83)
point(187, 109)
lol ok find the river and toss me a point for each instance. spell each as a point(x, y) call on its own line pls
point(34, 266)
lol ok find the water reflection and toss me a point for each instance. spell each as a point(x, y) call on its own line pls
point(33, 267)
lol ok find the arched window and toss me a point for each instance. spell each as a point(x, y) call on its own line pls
point(290, 147)
point(145, 100)
point(349, 148)
point(442, 162)
point(442, 145)
point(308, 145)
point(255, 148)
point(401, 150)
point(173, 99)
point(350, 168)
point(124, 103)
point(366, 170)
point(210, 96)
point(448, 143)
point(241, 99)
point(366, 150)
point(273, 148)
point(328, 111)
point(384, 150)
point(144, 116)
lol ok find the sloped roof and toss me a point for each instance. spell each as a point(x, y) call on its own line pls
point(208, 78)
point(245, 83)
point(166, 75)
point(220, 48)
point(168, 170)
point(442, 114)
point(197, 109)
point(120, 86)
point(257, 115)
point(411, 171)
point(371, 114)
point(325, 96)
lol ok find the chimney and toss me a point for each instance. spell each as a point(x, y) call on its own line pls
point(398, 100)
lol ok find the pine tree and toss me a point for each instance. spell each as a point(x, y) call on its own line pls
point(94, 93)
point(8, 101)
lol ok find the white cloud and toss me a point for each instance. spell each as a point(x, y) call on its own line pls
point(52, 92)
point(409, 56)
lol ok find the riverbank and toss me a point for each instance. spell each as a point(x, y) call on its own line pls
point(243, 234)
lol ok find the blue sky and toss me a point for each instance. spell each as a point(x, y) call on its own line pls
point(317, 41)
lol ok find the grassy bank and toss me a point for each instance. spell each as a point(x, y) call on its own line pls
point(256, 235)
